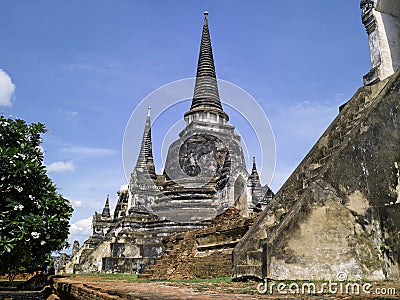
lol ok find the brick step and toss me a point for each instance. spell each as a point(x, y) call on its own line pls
point(166, 260)
point(171, 255)
point(154, 275)
point(174, 249)
point(157, 265)
point(144, 276)
point(156, 268)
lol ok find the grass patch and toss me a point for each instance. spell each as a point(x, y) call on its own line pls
point(203, 280)
point(134, 278)
point(108, 277)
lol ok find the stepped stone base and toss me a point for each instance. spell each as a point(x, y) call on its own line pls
point(188, 210)
point(129, 247)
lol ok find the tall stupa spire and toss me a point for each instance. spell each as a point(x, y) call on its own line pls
point(145, 160)
point(206, 96)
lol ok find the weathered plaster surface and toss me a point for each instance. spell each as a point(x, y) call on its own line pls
point(338, 210)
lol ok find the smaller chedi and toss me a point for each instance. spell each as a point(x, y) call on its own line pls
point(205, 174)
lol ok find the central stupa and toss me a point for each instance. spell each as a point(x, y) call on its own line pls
point(205, 174)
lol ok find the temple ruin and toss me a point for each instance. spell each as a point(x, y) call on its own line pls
point(204, 175)
point(338, 212)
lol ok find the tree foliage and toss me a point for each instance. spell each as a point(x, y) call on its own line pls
point(34, 218)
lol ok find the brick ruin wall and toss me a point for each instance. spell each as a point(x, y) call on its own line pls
point(201, 253)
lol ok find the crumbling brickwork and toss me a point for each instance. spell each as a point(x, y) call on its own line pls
point(201, 253)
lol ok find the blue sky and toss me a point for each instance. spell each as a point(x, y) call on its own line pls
point(82, 67)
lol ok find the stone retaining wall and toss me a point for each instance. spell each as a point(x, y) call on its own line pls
point(72, 291)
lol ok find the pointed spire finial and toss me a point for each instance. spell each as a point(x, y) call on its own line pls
point(254, 172)
point(206, 96)
point(145, 162)
point(254, 163)
point(106, 209)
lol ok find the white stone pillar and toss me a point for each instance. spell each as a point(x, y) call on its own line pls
point(381, 20)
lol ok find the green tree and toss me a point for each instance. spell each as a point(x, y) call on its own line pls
point(34, 218)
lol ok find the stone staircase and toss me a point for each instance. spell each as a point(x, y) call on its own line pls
point(178, 247)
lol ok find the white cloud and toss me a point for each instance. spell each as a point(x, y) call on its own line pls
point(304, 122)
point(80, 230)
point(69, 115)
point(88, 151)
point(60, 166)
point(104, 67)
point(309, 119)
point(81, 226)
point(72, 114)
point(124, 187)
point(77, 203)
point(7, 89)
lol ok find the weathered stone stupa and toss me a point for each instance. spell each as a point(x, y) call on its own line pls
point(339, 211)
point(205, 174)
